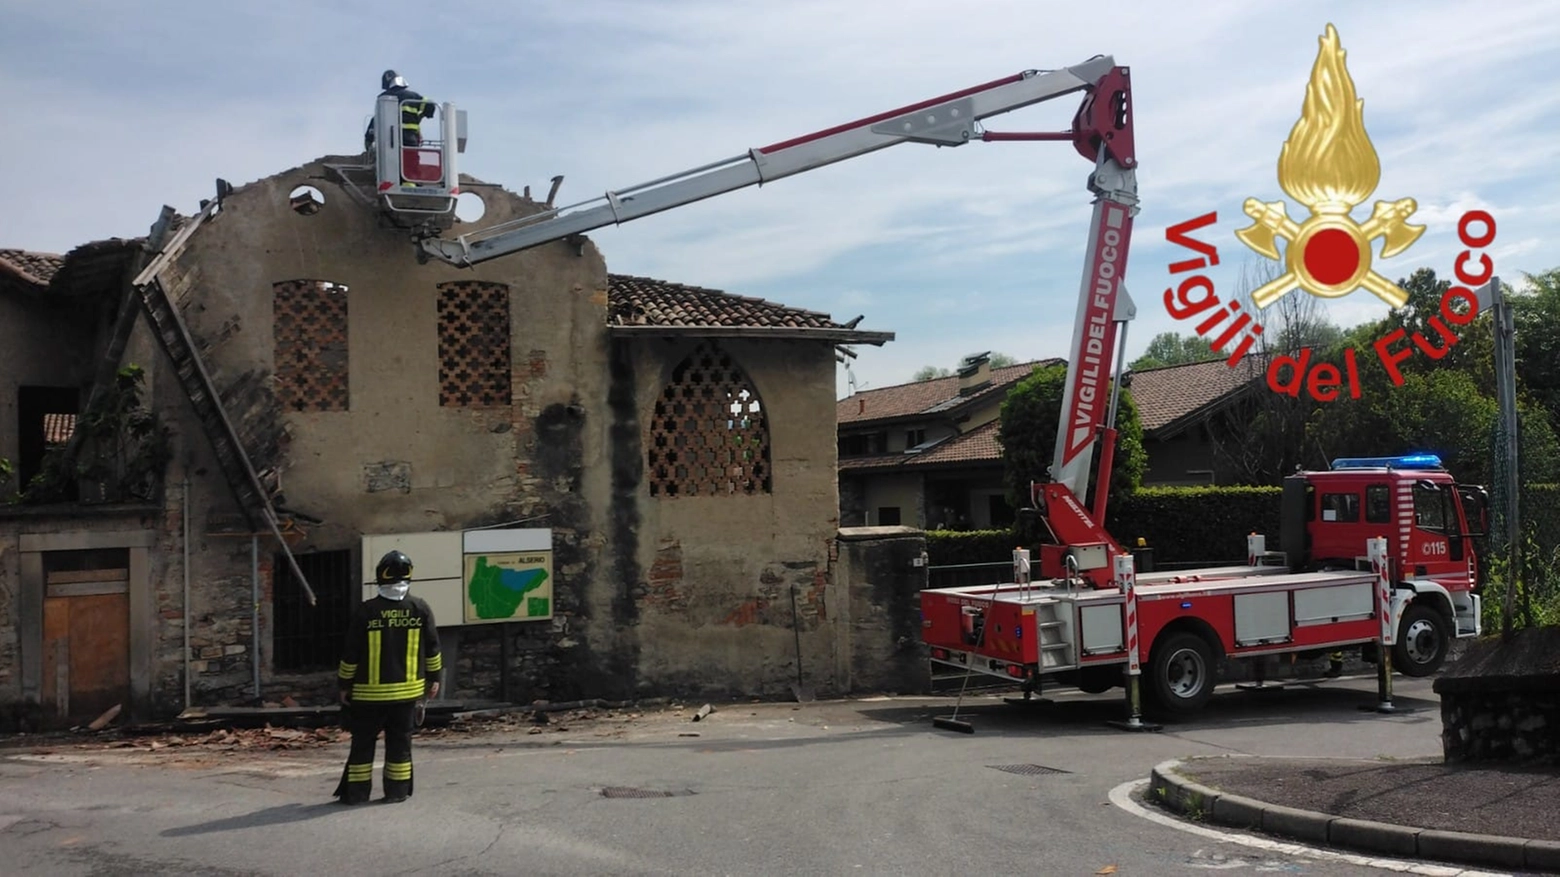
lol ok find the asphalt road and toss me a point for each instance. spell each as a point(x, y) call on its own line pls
point(857, 787)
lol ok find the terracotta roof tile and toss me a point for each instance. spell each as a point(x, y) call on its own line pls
point(1166, 395)
point(36, 268)
point(978, 445)
point(926, 397)
point(645, 301)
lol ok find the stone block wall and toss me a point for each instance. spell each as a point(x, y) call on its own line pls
point(883, 569)
point(1500, 700)
point(1502, 723)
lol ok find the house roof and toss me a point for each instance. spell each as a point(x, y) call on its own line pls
point(1172, 396)
point(33, 268)
point(89, 269)
point(979, 445)
point(660, 306)
point(926, 398)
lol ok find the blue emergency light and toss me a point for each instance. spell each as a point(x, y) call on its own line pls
point(1408, 461)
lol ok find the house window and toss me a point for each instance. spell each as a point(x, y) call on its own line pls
point(709, 435)
point(888, 515)
point(1378, 504)
point(305, 637)
point(473, 344)
point(310, 332)
point(863, 444)
point(1341, 507)
point(46, 417)
point(914, 437)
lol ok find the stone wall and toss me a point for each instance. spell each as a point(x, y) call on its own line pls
point(883, 569)
point(1486, 724)
point(1500, 701)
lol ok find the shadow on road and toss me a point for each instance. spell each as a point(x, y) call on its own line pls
point(269, 816)
point(1332, 704)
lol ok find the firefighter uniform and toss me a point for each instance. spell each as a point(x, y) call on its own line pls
point(390, 658)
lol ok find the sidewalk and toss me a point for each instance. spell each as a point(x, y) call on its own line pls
point(1487, 816)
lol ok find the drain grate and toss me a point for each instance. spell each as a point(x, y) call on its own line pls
point(625, 792)
point(1027, 769)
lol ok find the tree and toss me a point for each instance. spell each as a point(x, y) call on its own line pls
point(1173, 348)
point(931, 373)
point(1535, 313)
point(1263, 437)
point(1027, 433)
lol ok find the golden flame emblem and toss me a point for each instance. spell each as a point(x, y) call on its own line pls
point(1329, 165)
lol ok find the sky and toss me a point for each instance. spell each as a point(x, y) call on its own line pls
point(118, 109)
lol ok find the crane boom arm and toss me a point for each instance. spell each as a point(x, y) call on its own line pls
point(1102, 131)
point(947, 120)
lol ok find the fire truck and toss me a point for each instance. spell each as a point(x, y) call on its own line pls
point(1375, 553)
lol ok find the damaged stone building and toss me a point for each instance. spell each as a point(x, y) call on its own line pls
point(268, 386)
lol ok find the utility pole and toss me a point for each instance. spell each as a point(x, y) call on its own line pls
point(1490, 297)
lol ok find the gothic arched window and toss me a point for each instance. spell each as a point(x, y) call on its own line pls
point(709, 435)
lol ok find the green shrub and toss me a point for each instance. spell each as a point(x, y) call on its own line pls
point(950, 547)
point(1195, 524)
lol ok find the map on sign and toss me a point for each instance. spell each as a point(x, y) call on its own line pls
point(510, 586)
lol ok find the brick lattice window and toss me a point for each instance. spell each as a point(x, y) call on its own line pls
point(709, 435)
point(473, 344)
point(310, 325)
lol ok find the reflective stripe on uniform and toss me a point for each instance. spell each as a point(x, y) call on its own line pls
point(398, 770)
point(360, 773)
point(394, 691)
point(374, 637)
point(346, 671)
point(413, 640)
point(436, 663)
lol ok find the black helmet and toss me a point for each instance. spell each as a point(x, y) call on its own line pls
point(389, 78)
point(393, 567)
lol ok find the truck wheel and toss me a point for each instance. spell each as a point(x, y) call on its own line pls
point(1181, 673)
point(1422, 641)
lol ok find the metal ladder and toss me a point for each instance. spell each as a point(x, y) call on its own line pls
point(173, 335)
point(1056, 647)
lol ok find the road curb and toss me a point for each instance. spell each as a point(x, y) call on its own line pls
point(1169, 789)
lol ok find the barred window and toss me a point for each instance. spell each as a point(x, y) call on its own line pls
point(310, 329)
point(473, 344)
point(709, 435)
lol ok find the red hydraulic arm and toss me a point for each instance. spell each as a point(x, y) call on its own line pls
point(1101, 132)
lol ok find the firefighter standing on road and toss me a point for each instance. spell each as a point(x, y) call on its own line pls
point(390, 661)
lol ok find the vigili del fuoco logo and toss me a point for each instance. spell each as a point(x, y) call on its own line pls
point(1330, 167)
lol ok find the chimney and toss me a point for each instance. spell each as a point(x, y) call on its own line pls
point(975, 373)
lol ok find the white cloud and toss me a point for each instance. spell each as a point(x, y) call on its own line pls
point(955, 250)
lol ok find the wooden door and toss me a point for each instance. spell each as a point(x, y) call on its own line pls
point(86, 643)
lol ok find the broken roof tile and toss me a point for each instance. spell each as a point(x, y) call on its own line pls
point(35, 268)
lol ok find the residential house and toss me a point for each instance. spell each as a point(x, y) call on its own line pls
point(319, 393)
point(1193, 417)
point(925, 454)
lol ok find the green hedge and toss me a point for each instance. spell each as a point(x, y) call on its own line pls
point(1206, 524)
point(1195, 524)
point(950, 547)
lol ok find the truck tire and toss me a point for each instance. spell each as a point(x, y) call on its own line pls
point(1181, 673)
point(1423, 640)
